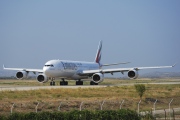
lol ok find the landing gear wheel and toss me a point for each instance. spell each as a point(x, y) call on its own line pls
point(66, 82)
point(79, 82)
point(63, 82)
point(52, 83)
point(93, 83)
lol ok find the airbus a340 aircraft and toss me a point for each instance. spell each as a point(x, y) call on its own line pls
point(77, 70)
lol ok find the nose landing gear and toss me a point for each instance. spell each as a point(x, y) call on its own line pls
point(52, 83)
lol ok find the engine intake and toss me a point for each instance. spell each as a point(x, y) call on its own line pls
point(98, 77)
point(42, 78)
point(21, 75)
point(133, 74)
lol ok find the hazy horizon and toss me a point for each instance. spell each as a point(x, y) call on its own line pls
point(145, 33)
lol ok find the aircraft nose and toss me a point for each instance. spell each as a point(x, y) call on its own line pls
point(46, 71)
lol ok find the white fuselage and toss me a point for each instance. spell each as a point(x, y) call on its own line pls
point(67, 69)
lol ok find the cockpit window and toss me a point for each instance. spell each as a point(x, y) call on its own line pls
point(49, 65)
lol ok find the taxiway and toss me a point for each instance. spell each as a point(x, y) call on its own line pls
point(21, 88)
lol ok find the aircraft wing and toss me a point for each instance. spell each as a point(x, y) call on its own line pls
point(122, 70)
point(115, 64)
point(24, 69)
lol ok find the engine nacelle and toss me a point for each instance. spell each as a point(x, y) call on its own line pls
point(98, 77)
point(133, 74)
point(42, 78)
point(21, 75)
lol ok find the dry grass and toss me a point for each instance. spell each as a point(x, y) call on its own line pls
point(50, 99)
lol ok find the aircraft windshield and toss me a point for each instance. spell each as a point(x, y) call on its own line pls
point(49, 65)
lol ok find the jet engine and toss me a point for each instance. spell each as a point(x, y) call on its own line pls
point(42, 78)
point(21, 75)
point(98, 77)
point(133, 74)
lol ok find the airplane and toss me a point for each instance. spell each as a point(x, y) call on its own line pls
point(78, 70)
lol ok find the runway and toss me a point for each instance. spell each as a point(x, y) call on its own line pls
point(21, 88)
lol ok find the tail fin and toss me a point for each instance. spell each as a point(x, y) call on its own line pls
point(98, 54)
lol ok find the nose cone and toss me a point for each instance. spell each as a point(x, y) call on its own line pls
point(46, 71)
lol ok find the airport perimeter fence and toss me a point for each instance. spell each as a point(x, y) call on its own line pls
point(160, 108)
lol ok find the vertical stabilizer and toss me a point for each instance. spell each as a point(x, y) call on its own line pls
point(98, 54)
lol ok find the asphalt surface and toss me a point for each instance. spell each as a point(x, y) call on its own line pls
point(14, 88)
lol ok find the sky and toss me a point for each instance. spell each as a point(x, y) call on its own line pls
point(145, 33)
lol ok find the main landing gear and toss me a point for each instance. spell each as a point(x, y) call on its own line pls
point(93, 83)
point(63, 82)
point(79, 82)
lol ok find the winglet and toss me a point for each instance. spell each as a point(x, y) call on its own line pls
point(174, 65)
point(3, 66)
